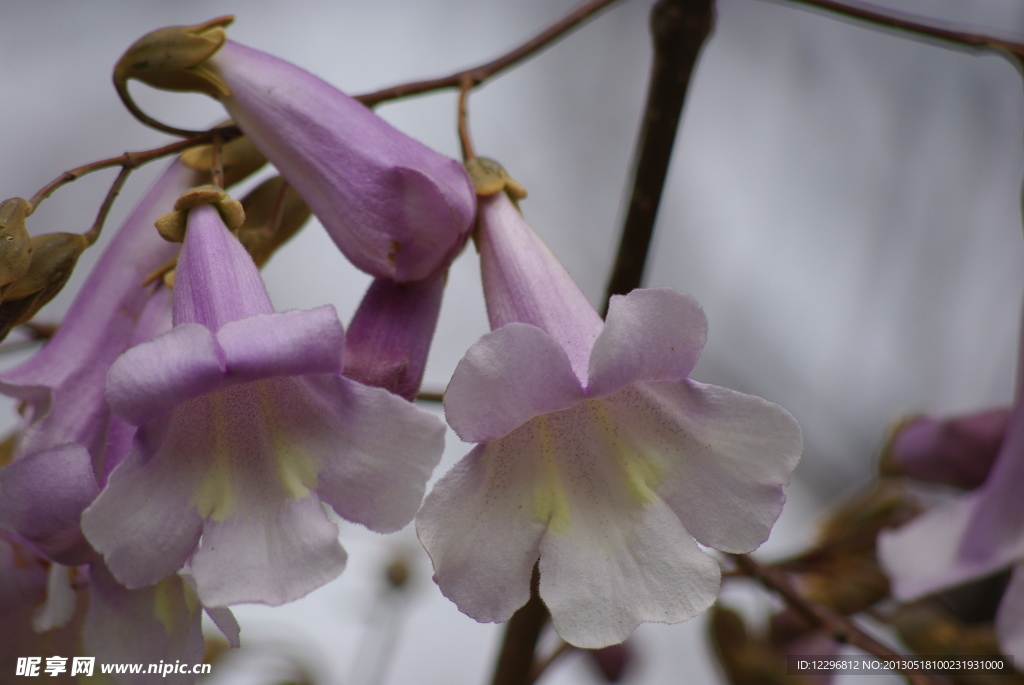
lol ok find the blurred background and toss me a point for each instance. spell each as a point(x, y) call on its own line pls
point(844, 203)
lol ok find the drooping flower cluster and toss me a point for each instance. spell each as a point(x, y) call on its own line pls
point(183, 441)
point(597, 456)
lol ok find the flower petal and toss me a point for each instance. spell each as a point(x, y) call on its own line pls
point(227, 624)
point(378, 457)
point(287, 344)
point(270, 552)
point(154, 377)
point(42, 497)
point(605, 574)
point(160, 622)
point(60, 602)
point(927, 554)
point(720, 458)
point(649, 335)
point(144, 522)
point(478, 527)
point(508, 377)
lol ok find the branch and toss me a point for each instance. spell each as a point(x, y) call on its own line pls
point(478, 75)
point(842, 629)
point(515, 661)
point(679, 29)
point(132, 160)
point(914, 26)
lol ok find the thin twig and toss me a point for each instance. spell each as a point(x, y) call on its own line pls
point(132, 160)
point(217, 165)
point(430, 396)
point(93, 234)
point(839, 627)
point(478, 75)
point(679, 29)
point(465, 142)
point(915, 26)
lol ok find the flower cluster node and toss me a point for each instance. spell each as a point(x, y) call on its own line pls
point(172, 58)
point(171, 226)
point(489, 178)
point(239, 158)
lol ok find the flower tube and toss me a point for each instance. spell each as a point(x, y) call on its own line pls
point(394, 207)
point(596, 454)
point(71, 439)
point(245, 427)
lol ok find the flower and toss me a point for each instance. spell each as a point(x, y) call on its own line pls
point(394, 207)
point(596, 453)
point(71, 439)
point(958, 451)
point(972, 536)
point(47, 609)
point(245, 426)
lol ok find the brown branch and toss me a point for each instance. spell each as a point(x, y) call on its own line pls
point(115, 188)
point(515, 661)
point(478, 75)
point(679, 29)
point(430, 396)
point(841, 629)
point(132, 160)
point(217, 153)
point(915, 26)
point(465, 141)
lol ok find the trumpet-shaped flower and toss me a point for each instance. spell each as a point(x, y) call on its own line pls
point(972, 536)
point(245, 427)
point(596, 455)
point(394, 207)
point(71, 439)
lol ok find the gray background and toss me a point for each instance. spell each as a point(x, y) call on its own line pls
point(843, 202)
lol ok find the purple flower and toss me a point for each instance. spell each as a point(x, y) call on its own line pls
point(959, 451)
point(394, 207)
point(596, 453)
point(47, 609)
point(245, 427)
point(972, 536)
point(71, 440)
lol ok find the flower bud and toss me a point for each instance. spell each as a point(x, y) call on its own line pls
point(15, 245)
point(171, 226)
point(172, 58)
point(54, 256)
point(958, 451)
